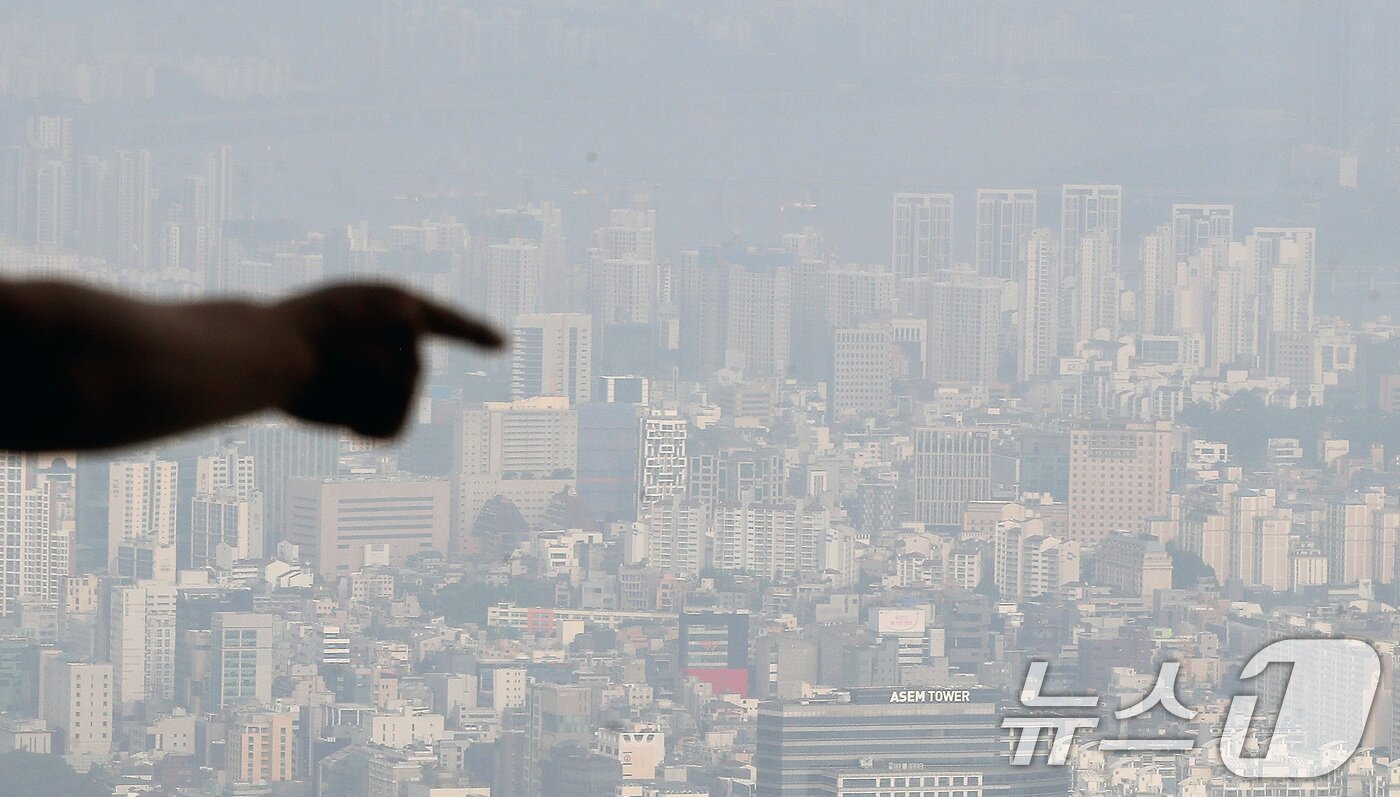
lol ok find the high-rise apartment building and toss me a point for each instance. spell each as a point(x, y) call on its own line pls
point(1359, 537)
point(134, 219)
point(1085, 210)
point(552, 355)
point(141, 505)
point(952, 466)
point(512, 280)
point(923, 234)
point(1039, 311)
point(227, 509)
point(676, 533)
point(1005, 218)
point(1119, 476)
point(38, 528)
point(855, 295)
point(1097, 288)
point(758, 332)
point(964, 326)
point(781, 540)
point(1029, 562)
point(1194, 227)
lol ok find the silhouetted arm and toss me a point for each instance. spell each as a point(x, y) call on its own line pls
point(94, 370)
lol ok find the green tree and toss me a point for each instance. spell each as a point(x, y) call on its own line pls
point(32, 775)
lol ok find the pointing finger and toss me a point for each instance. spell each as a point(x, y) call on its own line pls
point(438, 319)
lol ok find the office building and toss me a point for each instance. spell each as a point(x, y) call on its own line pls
point(663, 458)
point(1119, 476)
point(523, 451)
point(952, 466)
point(79, 704)
point(282, 452)
point(609, 455)
point(240, 660)
point(803, 745)
point(1133, 564)
point(552, 355)
point(861, 379)
point(342, 525)
point(262, 748)
point(714, 649)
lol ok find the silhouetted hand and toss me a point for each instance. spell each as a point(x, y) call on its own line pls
point(358, 349)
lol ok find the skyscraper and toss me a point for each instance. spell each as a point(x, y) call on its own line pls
point(923, 234)
point(1005, 218)
point(134, 218)
point(1096, 289)
point(1084, 210)
point(1039, 321)
point(552, 355)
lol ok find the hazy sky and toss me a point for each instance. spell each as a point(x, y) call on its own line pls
point(729, 116)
